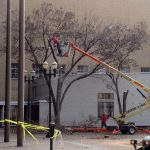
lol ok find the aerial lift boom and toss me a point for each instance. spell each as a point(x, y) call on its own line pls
point(123, 126)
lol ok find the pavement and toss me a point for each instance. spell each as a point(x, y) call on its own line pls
point(75, 141)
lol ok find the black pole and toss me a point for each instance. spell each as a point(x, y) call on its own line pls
point(51, 125)
point(8, 73)
point(29, 106)
point(29, 101)
point(21, 71)
point(50, 119)
point(32, 96)
point(49, 102)
point(52, 128)
point(50, 134)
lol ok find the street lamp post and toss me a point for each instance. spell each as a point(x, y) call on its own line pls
point(29, 79)
point(51, 123)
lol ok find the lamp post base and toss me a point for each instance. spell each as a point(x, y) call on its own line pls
point(47, 135)
point(51, 130)
point(50, 134)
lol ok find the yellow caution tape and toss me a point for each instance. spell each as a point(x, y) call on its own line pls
point(26, 126)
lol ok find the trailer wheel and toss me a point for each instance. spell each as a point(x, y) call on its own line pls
point(131, 130)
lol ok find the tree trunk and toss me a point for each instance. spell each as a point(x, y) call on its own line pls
point(115, 82)
point(124, 100)
point(119, 103)
point(57, 117)
point(58, 107)
point(118, 97)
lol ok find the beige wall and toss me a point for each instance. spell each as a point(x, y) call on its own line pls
point(109, 11)
point(128, 11)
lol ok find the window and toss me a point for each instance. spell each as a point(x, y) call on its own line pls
point(37, 70)
point(105, 96)
point(82, 69)
point(105, 104)
point(145, 69)
point(125, 69)
point(106, 107)
point(14, 70)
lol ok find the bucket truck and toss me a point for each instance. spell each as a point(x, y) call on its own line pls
point(124, 127)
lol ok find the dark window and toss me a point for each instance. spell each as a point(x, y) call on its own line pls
point(82, 69)
point(105, 96)
point(106, 107)
point(145, 69)
point(105, 104)
point(14, 70)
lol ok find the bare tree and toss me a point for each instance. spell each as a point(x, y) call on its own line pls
point(125, 41)
point(106, 42)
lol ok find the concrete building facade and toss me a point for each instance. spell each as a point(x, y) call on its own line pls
point(82, 101)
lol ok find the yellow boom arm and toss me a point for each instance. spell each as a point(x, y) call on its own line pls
point(143, 87)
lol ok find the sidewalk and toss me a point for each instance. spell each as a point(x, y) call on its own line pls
point(76, 141)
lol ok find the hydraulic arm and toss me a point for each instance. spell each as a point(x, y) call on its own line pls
point(133, 111)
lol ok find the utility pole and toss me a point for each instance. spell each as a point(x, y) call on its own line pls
point(21, 71)
point(8, 72)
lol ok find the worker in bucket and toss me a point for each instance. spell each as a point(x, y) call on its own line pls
point(57, 44)
point(104, 117)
